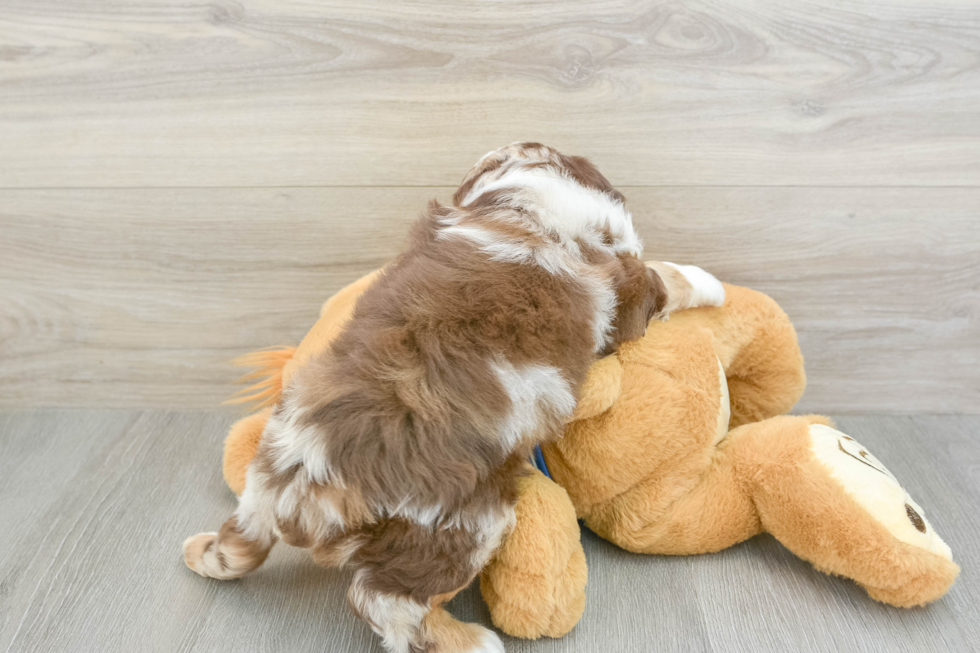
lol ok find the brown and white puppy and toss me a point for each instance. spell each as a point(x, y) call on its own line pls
point(397, 451)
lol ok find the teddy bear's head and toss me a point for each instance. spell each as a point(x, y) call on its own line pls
point(876, 489)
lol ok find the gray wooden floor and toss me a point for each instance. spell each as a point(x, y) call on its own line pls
point(95, 503)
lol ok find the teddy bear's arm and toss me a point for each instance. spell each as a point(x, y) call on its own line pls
point(240, 447)
point(601, 388)
point(535, 584)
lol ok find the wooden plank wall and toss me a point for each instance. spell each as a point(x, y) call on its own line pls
point(182, 182)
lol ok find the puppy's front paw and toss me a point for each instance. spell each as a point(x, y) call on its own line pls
point(706, 290)
point(195, 547)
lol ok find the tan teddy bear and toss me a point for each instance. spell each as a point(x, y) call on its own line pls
point(678, 446)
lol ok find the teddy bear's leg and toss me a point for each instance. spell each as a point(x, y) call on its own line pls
point(752, 465)
point(819, 492)
point(681, 512)
point(831, 502)
point(535, 584)
point(758, 349)
point(240, 447)
point(761, 356)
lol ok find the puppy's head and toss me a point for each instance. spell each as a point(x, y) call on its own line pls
point(494, 165)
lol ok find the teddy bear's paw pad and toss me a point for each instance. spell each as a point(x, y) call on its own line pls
point(531, 605)
point(706, 290)
point(876, 489)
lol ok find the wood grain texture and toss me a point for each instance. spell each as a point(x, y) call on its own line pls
point(139, 298)
point(300, 92)
point(97, 502)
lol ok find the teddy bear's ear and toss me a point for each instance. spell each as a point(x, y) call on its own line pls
point(601, 388)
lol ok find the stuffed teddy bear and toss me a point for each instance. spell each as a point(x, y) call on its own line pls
point(678, 446)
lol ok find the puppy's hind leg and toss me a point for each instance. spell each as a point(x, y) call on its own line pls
point(229, 553)
point(407, 570)
point(408, 625)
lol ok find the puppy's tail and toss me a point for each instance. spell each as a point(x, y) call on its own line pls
point(265, 381)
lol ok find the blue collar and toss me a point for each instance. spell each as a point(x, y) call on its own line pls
point(537, 459)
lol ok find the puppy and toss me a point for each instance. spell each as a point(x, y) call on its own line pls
point(397, 451)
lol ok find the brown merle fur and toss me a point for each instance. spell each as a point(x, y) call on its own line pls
point(420, 399)
point(407, 402)
point(532, 155)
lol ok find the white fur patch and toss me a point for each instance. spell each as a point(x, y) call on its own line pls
point(489, 642)
point(289, 499)
point(550, 256)
point(491, 529)
point(398, 620)
point(395, 619)
point(567, 210)
point(706, 290)
point(539, 396)
point(604, 302)
point(427, 516)
point(207, 565)
point(260, 508)
point(496, 245)
point(256, 513)
point(293, 444)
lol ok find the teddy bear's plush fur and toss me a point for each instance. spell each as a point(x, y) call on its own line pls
point(678, 446)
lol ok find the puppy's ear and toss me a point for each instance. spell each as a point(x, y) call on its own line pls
point(490, 162)
point(641, 295)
